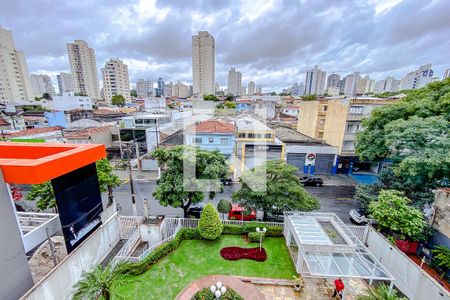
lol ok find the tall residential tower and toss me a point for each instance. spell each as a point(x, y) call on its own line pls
point(234, 82)
point(203, 63)
point(15, 82)
point(83, 68)
point(116, 80)
point(315, 81)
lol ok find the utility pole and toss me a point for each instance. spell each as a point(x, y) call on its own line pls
point(133, 196)
point(52, 247)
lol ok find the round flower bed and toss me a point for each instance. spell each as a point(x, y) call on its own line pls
point(236, 253)
point(206, 294)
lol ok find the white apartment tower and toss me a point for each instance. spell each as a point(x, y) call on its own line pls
point(65, 83)
point(234, 82)
point(251, 88)
point(15, 82)
point(315, 81)
point(417, 79)
point(83, 68)
point(116, 80)
point(144, 88)
point(41, 84)
point(446, 74)
point(203, 63)
point(179, 90)
point(351, 83)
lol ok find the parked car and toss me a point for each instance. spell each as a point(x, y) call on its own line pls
point(357, 216)
point(241, 213)
point(195, 210)
point(275, 217)
point(311, 181)
point(226, 181)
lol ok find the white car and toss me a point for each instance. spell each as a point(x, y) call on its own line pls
point(357, 217)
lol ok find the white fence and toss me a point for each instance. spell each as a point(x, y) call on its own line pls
point(361, 232)
point(411, 280)
point(58, 283)
point(128, 225)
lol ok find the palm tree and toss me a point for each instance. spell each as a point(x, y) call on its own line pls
point(95, 284)
point(381, 292)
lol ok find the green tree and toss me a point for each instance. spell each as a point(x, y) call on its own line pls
point(230, 97)
point(43, 195)
point(381, 292)
point(175, 190)
point(394, 215)
point(107, 180)
point(133, 93)
point(224, 206)
point(95, 284)
point(210, 226)
point(210, 97)
point(47, 96)
point(118, 100)
point(226, 105)
point(309, 97)
point(441, 255)
point(283, 189)
point(273, 93)
point(45, 198)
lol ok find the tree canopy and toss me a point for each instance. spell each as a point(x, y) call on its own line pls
point(413, 134)
point(118, 100)
point(283, 189)
point(210, 97)
point(171, 190)
point(309, 97)
point(226, 105)
point(393, 214)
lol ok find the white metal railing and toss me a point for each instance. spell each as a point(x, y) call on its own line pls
point(128, 225)
point(153, 247)
point(361, 232)
point(130, 244)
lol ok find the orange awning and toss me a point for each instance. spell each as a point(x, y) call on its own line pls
point(34, 163)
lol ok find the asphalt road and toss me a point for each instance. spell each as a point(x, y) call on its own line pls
point(333, 198)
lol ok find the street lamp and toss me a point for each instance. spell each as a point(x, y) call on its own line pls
point(218, 289)
point(261, 232)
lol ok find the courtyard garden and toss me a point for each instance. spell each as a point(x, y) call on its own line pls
point(197, 258)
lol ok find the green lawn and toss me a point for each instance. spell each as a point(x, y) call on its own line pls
point(197, 258)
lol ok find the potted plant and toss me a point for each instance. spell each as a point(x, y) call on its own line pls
point(298, 283)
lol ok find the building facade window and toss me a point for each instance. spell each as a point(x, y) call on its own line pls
point(224, 141)
point(356, 110)
point(211, 140)
point(197, 140)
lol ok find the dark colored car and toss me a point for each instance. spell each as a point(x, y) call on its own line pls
point(311, 181)
point(226, 181)
point(195, 210)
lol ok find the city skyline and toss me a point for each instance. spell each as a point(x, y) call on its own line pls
point(151, 39)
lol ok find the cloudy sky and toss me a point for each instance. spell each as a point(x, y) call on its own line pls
point(271, 42)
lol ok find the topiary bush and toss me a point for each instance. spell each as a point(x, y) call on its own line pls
point(206, 294)
point(253, 237)
point(210, 226)
point(233, 229)
point(224, 206)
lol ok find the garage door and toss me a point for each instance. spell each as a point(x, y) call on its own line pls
point(324, 163)
point(297, 160)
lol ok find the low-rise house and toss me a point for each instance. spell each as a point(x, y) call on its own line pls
point(212, 135)
point(309, 155)
point(48, 134)
point(92, 135)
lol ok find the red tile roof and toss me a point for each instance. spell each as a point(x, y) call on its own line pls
point(87, 132)
point(33, 131)
point(213, 126)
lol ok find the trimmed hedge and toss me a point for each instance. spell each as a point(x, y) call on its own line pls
point(210, 226)
point(253, 237)
point(206, 294)
point(139, 268)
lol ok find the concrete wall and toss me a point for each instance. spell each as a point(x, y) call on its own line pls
point(59, 282)
point(334, 129)
point(15, 275)
point(410, 279)
point(441, 217)
point(307, 118)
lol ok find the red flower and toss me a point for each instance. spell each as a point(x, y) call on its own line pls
point(236, 253)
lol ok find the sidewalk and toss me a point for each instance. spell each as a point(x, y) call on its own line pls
point(338, 180)
point(124, 175)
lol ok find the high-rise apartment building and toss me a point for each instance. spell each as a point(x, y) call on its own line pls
point(180, 90)
point(390, 84)
point(363, 85)
point(446, 74)
point(417, 79)
point(234, 82)
point(41, 84)
point(315, 81)
point(203, 63)
point(115, 80)
point(15, 82)
point(259, 89)
point(333, 80)
point(351, 83)
point(168, 87)
point(251, 88)
point(65, 83)
point(144, 88)
point(84, 69)
point(160, 88)
point(243, 91)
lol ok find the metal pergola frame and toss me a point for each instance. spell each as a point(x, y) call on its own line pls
point(325, 259)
